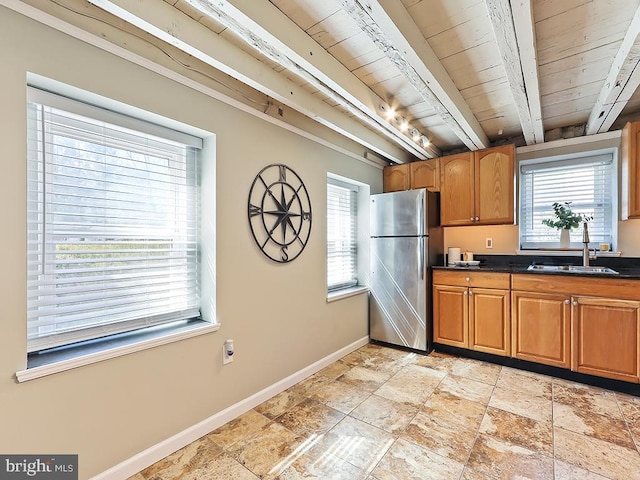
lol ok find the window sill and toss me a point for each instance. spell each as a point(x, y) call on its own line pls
point(60, 360)
point(567, 252)
point(346, 293)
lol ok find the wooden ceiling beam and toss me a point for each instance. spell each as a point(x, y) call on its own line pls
point(514, 29)
point(273, 34)
point(621, 82)
point(168, 24)
point(392, 29)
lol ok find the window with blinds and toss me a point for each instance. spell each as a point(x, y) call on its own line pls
point(586, 182)
point(342, 235)
point(113, 223)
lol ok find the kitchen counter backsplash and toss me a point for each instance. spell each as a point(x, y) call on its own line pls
point(626, 266)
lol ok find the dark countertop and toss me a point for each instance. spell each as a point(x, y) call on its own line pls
point(627, 267)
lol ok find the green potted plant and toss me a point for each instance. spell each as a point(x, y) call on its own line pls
point(565, 220)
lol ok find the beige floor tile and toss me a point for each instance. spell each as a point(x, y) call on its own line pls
point(630, 408)
point(137, 476)
point(239, 429)
point(493, 458)
point(518, 430)
point(454, 409)
point(365, 378)
point(585, 397)
point(466, 388)
point(328, 467)
point(476, 370)
point(521, 403)
point(566, 471)
point(413, 385)
point(279, 404)
point(538, 385)
point(580, 420)
point(436, 360)
point(271, 451)
point(598, 456)
point(408, 461)
point(390, 416)
point(190, 462)
point(442, 436)
point(359, 443)
point(325, 376)
point(341, 396)
point(310, 416)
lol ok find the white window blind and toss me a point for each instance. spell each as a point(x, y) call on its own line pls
point(112, 225)
point(588, 183)
point(342, 235)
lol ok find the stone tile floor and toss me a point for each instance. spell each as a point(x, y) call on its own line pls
point(380, 413)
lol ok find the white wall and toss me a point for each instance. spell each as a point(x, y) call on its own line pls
point(276, 313)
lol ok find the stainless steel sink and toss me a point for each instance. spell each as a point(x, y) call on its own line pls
point(572, 269)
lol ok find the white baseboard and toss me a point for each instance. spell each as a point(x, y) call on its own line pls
point(159, 451)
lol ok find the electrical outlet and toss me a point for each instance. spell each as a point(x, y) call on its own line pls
point(227, 352)
point(488, 242)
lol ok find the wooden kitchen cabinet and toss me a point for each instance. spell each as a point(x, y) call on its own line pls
point(630, 171)
point(541, 326)
point(426, 174)
point(396, 178)
point(477, 188)
point(471, 310)
point(606, 337)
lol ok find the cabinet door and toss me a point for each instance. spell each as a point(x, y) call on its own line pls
point(450, 315)
point(606, 337)
point(426, 174)
point(630, 181)
point(494, 187)
point(457, 190)
point(489, 321)
point(541, 328)
point(396, 178)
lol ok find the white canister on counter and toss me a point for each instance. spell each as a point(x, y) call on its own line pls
point(453, 255)
point(468, 256)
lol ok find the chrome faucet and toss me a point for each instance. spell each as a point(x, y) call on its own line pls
point(586, 255)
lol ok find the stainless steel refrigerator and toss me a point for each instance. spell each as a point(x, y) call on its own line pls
point(406, 239)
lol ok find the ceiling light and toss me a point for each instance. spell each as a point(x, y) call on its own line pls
point(425, 141)
point(404, 125)
point(415, 134)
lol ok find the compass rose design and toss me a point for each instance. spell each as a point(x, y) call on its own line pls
point(279, 212)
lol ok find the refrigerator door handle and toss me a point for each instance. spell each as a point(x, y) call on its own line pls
point(421, 213)
point(421, 257)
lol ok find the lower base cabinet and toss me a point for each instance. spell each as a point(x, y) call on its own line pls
point(468, 313)
point(542, 328)
point(550, 319)
point(606, 340)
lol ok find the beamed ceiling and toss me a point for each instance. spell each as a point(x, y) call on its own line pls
point(404, 79)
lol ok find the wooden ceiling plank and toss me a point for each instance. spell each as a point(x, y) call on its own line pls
point(621, 82)
point(393, 30)
point(527, 101)
point(174, 27)
point(214, 50)
point(270, 31)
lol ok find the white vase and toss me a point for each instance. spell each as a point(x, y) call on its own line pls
point(565, 238)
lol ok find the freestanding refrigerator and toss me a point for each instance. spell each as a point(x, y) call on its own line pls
point(406, 239)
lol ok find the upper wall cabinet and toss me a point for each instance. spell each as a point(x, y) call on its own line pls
point(422, 174)
point(396, 178)
point(631, 171)
point(477, 188)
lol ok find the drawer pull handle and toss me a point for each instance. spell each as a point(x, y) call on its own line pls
point(566, 302)
point(575, 303)
point(468, 279)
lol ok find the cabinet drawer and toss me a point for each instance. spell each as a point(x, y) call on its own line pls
point(470, 278)
point(622, 288)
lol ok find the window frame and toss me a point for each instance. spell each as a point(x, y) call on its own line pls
point(66, 102)
point(574, 157)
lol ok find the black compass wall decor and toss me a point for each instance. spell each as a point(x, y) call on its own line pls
point(279, 213)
